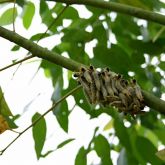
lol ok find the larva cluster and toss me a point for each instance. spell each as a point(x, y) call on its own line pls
point(110, 89)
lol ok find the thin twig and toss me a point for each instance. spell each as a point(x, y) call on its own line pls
point(14, 15)
point(18, 62)
point(37, 120)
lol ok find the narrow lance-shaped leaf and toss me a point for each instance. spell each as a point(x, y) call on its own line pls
point(39, 134)
point(29, 11)
point(64, 143)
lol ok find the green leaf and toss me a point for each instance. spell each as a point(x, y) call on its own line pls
point(147, 150)
point(160, 134)
point(69, 13)
point(81, 157)
point(15, 48)
point(39, 36)
point(76, 35)
point(61, 112)
point(4, 108)
point(7, 17)
point(29, 11)
point(39, 133)
point(145, 132)
point(100, 33)
point(47, 153)
point(46, 15)
point(115, 58)
point(102, 148)
point(64, 143)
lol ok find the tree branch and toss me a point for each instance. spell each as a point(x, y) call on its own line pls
point(120, 8)
point(36, 50)
point(154, 102)
point(39, 51)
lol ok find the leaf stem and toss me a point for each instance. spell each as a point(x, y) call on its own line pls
point(14, 9)
point(44, 114)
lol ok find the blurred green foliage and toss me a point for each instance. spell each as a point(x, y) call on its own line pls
point(123, 43)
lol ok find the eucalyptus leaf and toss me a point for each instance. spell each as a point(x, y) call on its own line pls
point(64, 143)
point(39, 133)
point(29, 11)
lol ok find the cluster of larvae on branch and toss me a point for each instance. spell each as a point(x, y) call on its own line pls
point(107, 88)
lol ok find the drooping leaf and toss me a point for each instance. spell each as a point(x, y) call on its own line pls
point(7, 17)
point(29, 11)
point(39, 133)
point(62, 144)
point(102, 148)
point(62, 114)
point(81, 157)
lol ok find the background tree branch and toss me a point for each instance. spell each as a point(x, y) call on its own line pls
point(120, 8)
point(38, 51)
